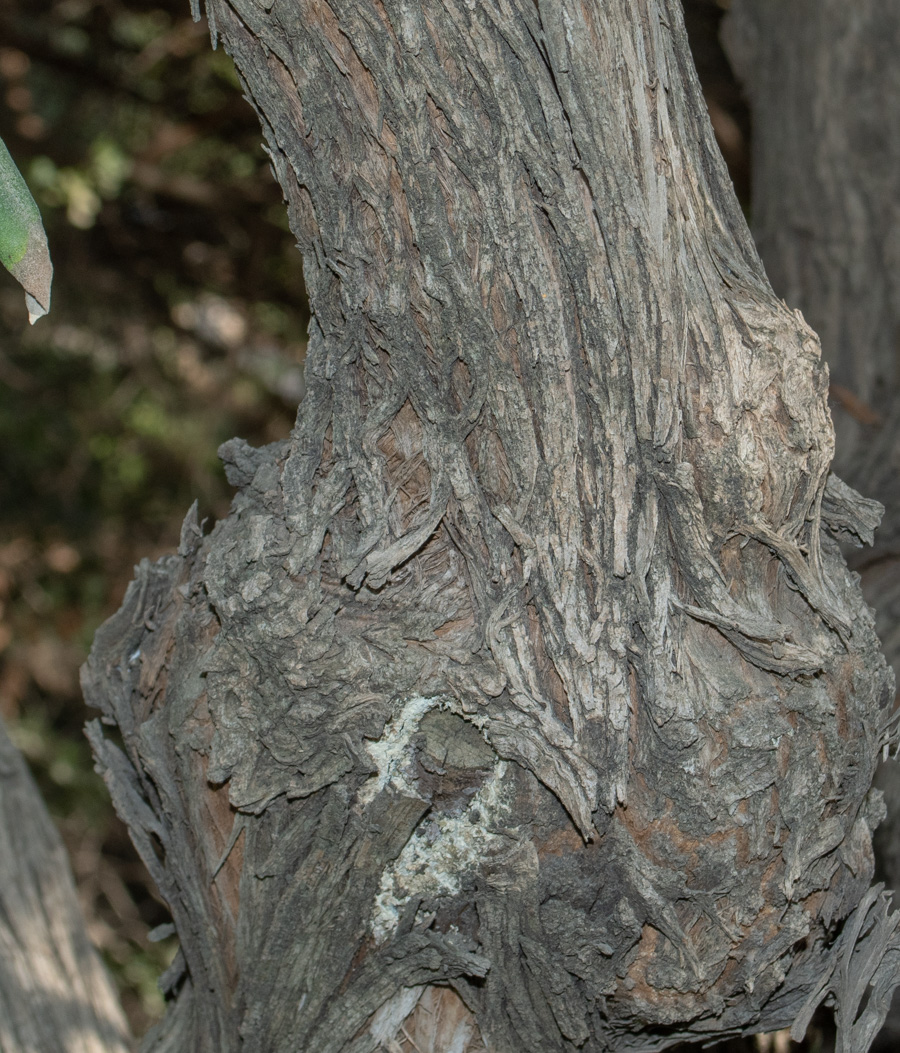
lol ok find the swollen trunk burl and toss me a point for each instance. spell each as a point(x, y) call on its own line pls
point(525, 685)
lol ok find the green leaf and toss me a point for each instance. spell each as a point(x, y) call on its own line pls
point(23, 243)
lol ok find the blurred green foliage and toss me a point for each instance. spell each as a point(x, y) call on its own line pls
point(178, 321)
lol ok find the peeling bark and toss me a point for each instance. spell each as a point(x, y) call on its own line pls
point(529, 668)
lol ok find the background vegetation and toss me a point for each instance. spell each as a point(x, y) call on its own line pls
point(178, 321)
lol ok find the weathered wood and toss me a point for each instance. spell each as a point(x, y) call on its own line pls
point(529, 666)
point(55, 995)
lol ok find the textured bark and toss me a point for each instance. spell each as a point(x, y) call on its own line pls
point(823, 84)
point(527, 676)
point(55, 995)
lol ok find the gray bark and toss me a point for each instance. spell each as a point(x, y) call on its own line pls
point(524, 695)
point(55, 995)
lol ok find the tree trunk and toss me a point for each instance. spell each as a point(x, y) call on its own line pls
point(55, 995)
point(524, 699)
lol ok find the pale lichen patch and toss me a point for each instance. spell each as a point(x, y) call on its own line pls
point(391, 754)
point(444, 848)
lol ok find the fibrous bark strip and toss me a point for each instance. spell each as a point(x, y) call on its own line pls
point(55, 995)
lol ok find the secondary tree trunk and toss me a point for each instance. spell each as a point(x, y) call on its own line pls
point(55, 996)
point(524, 696)
point(824, 86)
